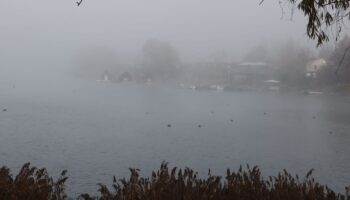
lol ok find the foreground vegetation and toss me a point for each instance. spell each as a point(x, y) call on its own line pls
point(31, 183)
point(172, 184)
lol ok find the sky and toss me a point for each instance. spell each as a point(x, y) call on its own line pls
point(49, 33)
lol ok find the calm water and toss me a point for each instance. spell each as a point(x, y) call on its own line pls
point(97, 130)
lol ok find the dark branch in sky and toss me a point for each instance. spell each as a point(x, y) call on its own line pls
point(79, 2)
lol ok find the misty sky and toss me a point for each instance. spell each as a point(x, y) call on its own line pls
point(40, 32)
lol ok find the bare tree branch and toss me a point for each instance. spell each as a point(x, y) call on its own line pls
point(341, 60)
point(79, 2)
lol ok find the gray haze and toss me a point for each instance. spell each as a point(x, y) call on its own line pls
point(79, 89)
point(45, 33)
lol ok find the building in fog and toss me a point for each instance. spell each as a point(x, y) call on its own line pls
point(251, 74)
point(315, 66)
point(125, 77)
point(107, 76)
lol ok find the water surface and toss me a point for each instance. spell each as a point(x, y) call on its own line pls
point(96, 130)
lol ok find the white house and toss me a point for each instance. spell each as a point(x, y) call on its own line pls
point(314, 66)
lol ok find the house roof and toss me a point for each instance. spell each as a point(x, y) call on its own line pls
point(252, 64)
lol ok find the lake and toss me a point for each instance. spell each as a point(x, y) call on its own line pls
point(96, 130)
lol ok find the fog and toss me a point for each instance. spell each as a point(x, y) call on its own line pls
point(48, 34)
point(113, 84)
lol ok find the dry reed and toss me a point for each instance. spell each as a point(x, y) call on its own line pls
point(172, 184)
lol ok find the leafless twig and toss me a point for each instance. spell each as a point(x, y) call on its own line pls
point(79, 2)
point(341, 61)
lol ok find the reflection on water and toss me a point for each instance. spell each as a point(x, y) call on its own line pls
point(98, 130)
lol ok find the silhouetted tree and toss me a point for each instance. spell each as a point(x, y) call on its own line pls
point(160, 60)
point(291, 62)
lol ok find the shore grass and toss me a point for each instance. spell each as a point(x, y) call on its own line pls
point(172, 184)
point(31, 183)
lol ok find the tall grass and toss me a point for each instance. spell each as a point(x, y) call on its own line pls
point(245, 184)
point(173, 184)
point(31, 183)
